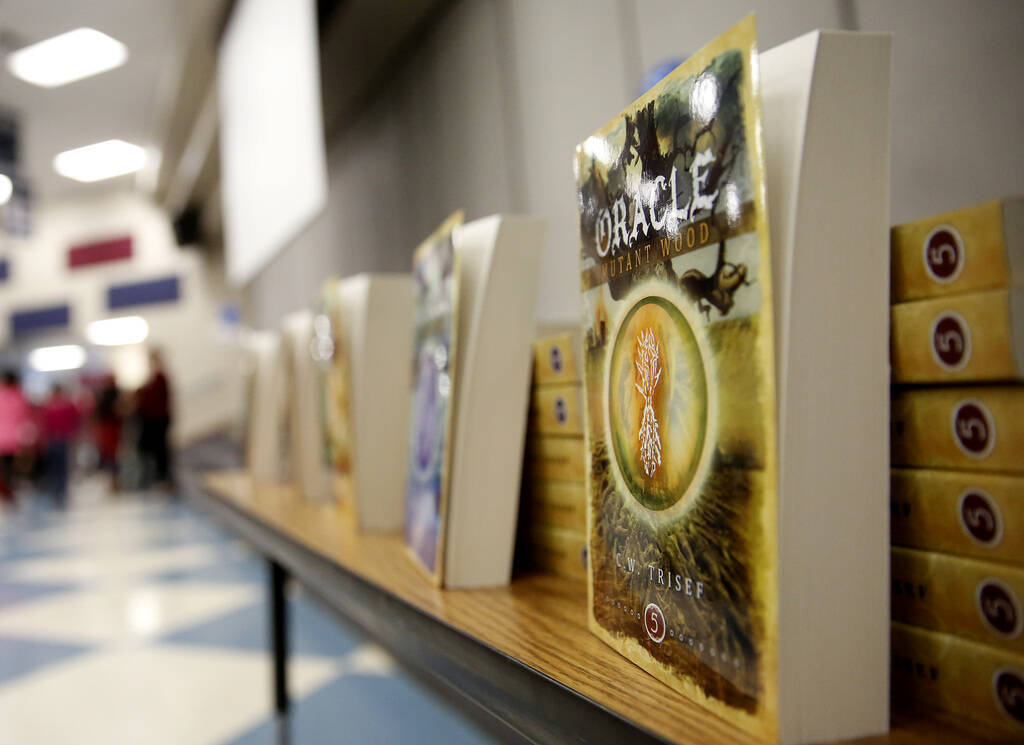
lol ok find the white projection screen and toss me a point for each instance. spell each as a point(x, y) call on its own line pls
point(273, 167)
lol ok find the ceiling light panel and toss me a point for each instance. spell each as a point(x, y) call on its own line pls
point(100, 161)
point(66, 58)
point(112, 332)
point(53, 359)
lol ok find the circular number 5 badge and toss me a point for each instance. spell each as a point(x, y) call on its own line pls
point(654, 622)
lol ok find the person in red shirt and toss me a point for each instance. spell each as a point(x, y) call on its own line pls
point(153, 408)
point(60, 423)
point(14, 417)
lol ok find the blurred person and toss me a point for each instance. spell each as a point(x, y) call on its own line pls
point(14, 416)
point(153, 409)
point(60, 423)
point(107, 418)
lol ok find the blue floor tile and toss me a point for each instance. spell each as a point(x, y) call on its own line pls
point(16, 592)
point(364, 710)
point(229, 571)
point(22, 656)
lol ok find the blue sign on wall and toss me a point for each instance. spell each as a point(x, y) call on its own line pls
point(40, 319)
point(5, 270)
point(164, 290)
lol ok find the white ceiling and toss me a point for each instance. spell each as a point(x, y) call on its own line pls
point(131, 102)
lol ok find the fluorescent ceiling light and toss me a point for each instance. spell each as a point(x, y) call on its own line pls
point(112, 332)
point(99, 161)
point(6, 188)
point(52, 359)
point(68, 57)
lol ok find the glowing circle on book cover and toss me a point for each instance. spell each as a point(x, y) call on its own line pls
point(659, 405)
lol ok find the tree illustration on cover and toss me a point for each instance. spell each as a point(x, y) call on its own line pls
point(435, 290)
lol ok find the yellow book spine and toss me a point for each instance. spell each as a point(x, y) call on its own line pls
point(959, 676)
point(960, 251)
point(559, 504)
point(957, 595)
point(555, 359)
point(959, 428)
point(556, 551)
point(555, 458)
point(555, 410)
point(959, 338)
point(959, 512)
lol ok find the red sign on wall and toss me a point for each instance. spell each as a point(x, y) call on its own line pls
point(99, 252)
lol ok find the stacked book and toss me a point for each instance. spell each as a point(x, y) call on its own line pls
point(958, 462)
point(553, 510)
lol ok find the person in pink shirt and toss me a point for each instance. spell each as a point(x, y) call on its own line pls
point(60, 423)
point(14, 416)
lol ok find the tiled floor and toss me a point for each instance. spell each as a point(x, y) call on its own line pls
point(137, 620)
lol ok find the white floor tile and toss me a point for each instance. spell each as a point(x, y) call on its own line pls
point(123, 614)
point(152, 695)
point(110, 566)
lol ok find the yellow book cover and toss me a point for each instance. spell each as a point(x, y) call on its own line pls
point(971, 428)
point(966, 250)
point(958, 595)
point(554, 458)
point(679, 385)
point(959, 512)
point(973, 337)
point(559, 504)
point(331, 351)
point(555, 410)
point(556, 358)
point(959, 676)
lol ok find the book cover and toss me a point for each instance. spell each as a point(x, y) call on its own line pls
point(959, 512)
point(975, 248)
point(555, 359)
point(557, 551)
point(958, 595)
point(679, 384)
point(959, 676)
point(973, 337)
point(555, 409)
point(331, 351)
point(552, 457)
point(970, 428)
point(435, 292)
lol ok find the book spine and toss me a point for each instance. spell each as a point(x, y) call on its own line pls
point(557, 551)
point(555, 410)
point(967, 597)
point(959, 676)
point(555, 360)
point(558, 504)
point(550, 457)
point(959, 428)
point(959, 338)
point(955, 252)
point(973, 514)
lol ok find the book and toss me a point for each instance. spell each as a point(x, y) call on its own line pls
point(959, 512)
point(970, 428)
point(973, 337)
point(496, 260)
point(435, 326)
point(332, 354)
point(267, 439)
point(558, 504)
point(309, 472)
point(959, 676)
point(555, 409)
point(958, 595)
point(553, 550)
point(705, 354)
point(374, 313)
point(966, 250)
point(556, 357)
point(554, 458)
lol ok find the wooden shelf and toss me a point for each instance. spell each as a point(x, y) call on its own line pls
point(521, 652)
